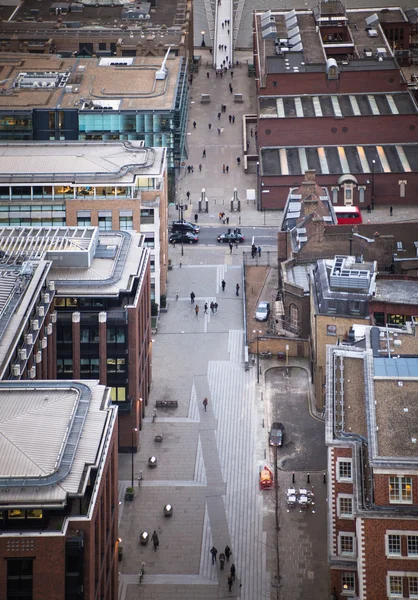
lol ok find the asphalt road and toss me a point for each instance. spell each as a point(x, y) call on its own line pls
point(263, 236)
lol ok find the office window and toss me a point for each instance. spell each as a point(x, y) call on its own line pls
point(344, 471)
point(118, 394)
point(395, 586)
point(126, 223)
point(348, 582)
point(20, 578)
point(400, 490)
point(345, 506)
point(115, 365)
point(412, 545)
point(394, 545)
point(149, 241)
point(147, 215)
point(105, 220)
point(346, 544)
point(116, 335)
point(83, 218)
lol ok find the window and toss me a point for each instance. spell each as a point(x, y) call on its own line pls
point(361, 191)
point(345, 506)
point(105, 221)
point(20, 578)
point(344, 472)
point(346, 544)
point(115, 365)
point(331, 330)
point(413, 587)
point(149, 241)
point(394, 545)
point(294, 316)
point(83, 218)
point(412, 545)
point(334, 195)
point(402, 189)
point(116, 334)
point(126, 223)
point(400, 490)
point(147, 215)
point(348, 582)
point(395, 586)
point(118, 394)
point(348, 193)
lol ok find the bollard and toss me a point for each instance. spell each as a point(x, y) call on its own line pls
point(293, 477)
point(325, 477)
point(180, 264)
point(308, 479)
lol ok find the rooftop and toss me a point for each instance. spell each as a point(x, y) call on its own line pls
point(72, 416)
point(333, 105)
point(79, 162)
point(396, 291)
point(336, 160)
point(125, 83)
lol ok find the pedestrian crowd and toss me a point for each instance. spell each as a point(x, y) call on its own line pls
point(225, 555)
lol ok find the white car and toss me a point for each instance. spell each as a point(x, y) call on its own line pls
point(262, 311)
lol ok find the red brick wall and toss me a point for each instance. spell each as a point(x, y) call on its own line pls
point(383, 129)
point(381, 490)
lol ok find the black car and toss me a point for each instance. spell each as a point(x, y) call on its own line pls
point(184, 226)
point(276, 434)
point(225, 238)
point(185, 237)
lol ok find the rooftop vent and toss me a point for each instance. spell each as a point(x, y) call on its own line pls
point(372, 33)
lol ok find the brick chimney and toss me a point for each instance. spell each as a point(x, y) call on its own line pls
point(309, 193)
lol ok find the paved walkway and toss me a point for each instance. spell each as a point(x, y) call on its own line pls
point(207, 462)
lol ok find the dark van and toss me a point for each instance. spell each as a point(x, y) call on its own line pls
point(184, 226)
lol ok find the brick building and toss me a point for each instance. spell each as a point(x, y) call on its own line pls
point(59, 502)
point(371, 434)
point(333, 99)
point(96, 323)
point(113, 186)
point(98, 28)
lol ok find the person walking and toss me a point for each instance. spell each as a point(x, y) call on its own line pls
point(222, 560)
point(188, 195)
point(228, 552)
point(194, 124)
point(238, 161)
point(222, 129)
point(212, 307)
point(230, 247)
point(192, 297)
point(219, 131)
point(200, 168)
point(196, 309)
point(205, 308)
point(227, 168)
point(230, 582)
point(210, 125)
point(155, 540)
point(207, 75)
point(204, 153)
point(391, 211)
point(205, 406)
point(223, 284)
point(233, 119)
point(227, 220)
point(233, 571)
point(215, 307)
point(230, 118)
point(232, 74)
point(231, 89)
point(259, 251)
point(214, 552)
point(219, 116)
point(196, 218)
point(237, 289)
point(223, 168)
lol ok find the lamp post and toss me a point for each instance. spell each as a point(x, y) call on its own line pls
point(258, 355)
point(373, 165)
point(181, 208)
point(287, 355)
point(134, 430)
point(203, 39)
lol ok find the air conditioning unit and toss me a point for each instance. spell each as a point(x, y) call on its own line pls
point(29, 339)
point(38, 356)
point(45, 298)
point(51, 286)
point(16, 371)
point(32, 372)
point(22, 354)
point(41, 311)
point(34, 324)
point(44, 342)
point(49, 329)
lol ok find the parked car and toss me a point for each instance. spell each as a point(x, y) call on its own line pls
point(225, 238)
point(184, 226)
point(185, 237)
point(276, 435)
point(262, 311)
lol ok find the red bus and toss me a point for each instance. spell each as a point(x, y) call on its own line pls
point(348, 215)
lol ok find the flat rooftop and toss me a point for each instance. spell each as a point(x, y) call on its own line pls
point(94, 161)
point(338, 160)
point(396, 291)
point(333, 105)
point(72, 417)
point(305, 49)
point(88, 85)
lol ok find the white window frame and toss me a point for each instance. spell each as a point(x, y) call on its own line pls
point(346, 534)
point(343, 497)
point(400, 479)
point(349, 591)
point(412, 595)
point(342, 459)
point(397, 574)
point(408, 535)
point(393, 555)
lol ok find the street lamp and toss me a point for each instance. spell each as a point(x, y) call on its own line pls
point(134, 430)
point(257, 333)
point(203, 39)
point(181, 208)
point(287, 355)
point(373, 165)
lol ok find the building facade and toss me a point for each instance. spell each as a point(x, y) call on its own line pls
point(59, 513)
